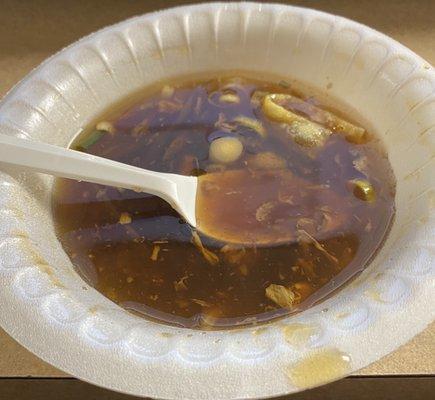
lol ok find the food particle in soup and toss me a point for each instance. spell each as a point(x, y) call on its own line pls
point(303, 195)
point(225, 150)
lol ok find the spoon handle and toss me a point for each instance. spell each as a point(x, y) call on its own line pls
point(66, 163)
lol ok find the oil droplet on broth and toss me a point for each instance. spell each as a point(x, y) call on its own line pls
point(320, 367)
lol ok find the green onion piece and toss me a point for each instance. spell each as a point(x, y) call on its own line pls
point(90, 140)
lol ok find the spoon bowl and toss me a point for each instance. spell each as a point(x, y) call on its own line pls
point(267, 208)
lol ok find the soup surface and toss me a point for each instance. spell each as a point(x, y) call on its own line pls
point(304, 196)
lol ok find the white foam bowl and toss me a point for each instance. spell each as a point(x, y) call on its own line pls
point(47, 307)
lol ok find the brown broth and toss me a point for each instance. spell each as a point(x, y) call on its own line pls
point(292, 219)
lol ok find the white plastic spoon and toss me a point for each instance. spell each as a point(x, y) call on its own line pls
point(179, 191)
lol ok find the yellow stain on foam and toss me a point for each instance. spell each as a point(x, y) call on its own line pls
point(94, 309)
point(374, 295)
point(19, 234)
point(40, 262)
point(298, 334)
point(342, 315)
point(319, 367)
point(18, 213)
point(259, 331)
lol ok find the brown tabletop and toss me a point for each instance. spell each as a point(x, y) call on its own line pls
point(30, 31)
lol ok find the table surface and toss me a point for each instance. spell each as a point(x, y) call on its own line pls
point(30, 31)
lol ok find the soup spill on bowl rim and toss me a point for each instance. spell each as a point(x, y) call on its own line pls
point(304, 195)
